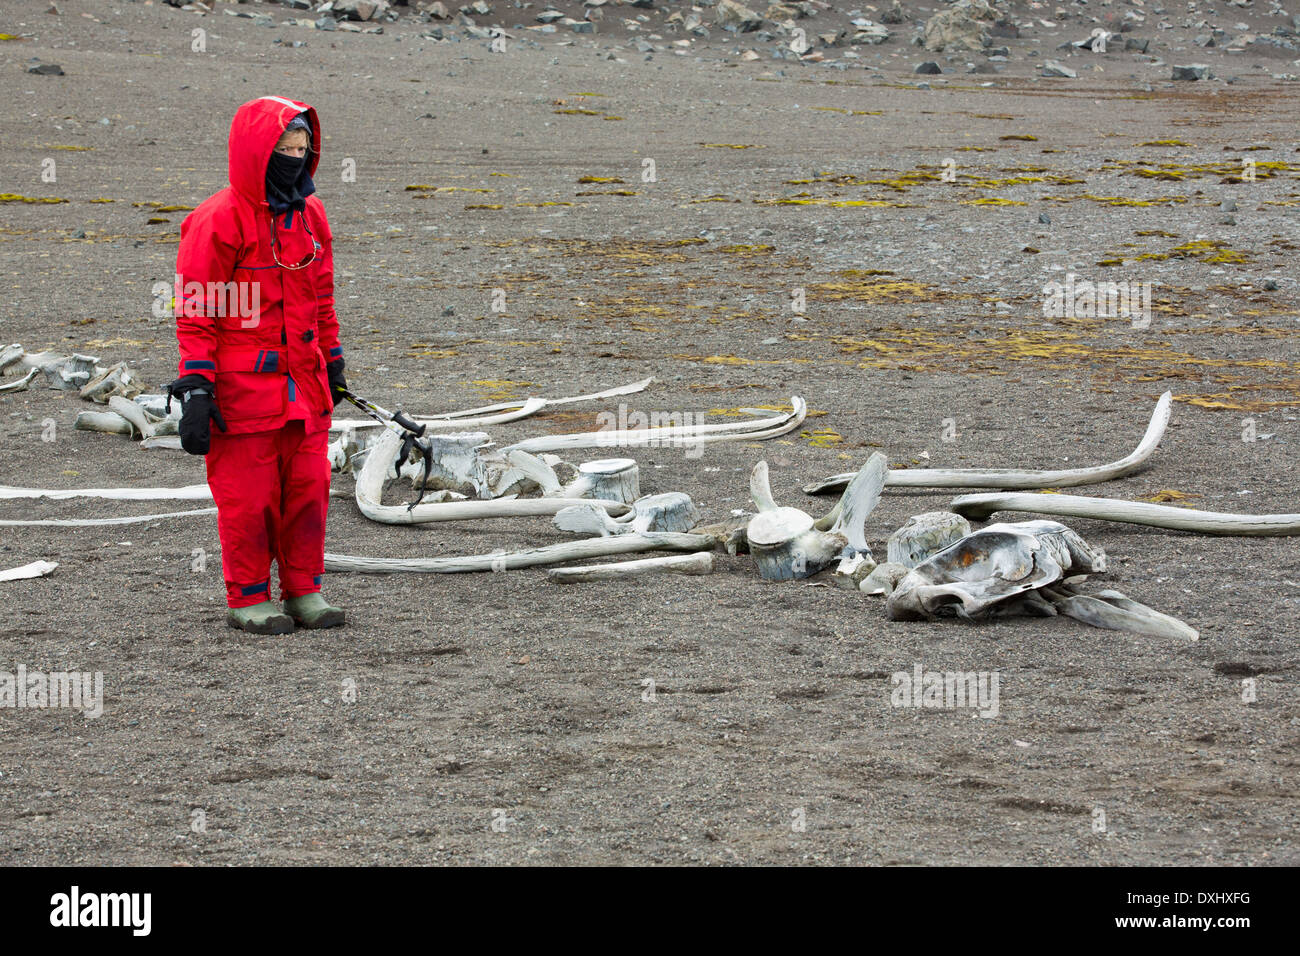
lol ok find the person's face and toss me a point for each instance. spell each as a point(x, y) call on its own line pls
point(293, 143)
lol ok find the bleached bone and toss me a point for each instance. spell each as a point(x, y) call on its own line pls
point(512, 411)
point(760, 489)
point(531, 557)
point(468, 463)
point(36, 569)
point(20, 384)
point(112, 422)
point(156, 405)
point(11, 355)
point(374, 474)
point(615, 479)
point(134, 414)
point(587, 520)
point(456, 465)
point(701, 562)
point(1115, 611)
point(783, 541)
point(671, 511)
point(66, 372)
point(533, 470)
point(677, 435)
point(108, 422)
point(1015, 478)
point(573, 399)
point(729, 533)
point(925, 534)
point(532, 406)
point(980, 506)
point(787, 543)
point(612, 479)
point(186, 493)
point(858, 501)
point(989, 566)
point(883, 578)
point(668, 511)
point(96, 522)
point(115, 380)
point(169, 442)
point(341, 450)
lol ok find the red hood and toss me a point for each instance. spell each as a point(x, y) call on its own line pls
point(256, 128)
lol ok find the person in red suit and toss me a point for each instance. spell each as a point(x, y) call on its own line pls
point(260, 358)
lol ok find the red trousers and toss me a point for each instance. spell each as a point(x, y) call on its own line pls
point(272, 494)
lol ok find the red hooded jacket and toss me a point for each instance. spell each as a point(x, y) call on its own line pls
point(261, 331)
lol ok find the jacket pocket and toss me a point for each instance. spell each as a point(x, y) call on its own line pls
point(250, 384)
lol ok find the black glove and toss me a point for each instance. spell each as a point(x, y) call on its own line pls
point(335, 371)
point(197, 407)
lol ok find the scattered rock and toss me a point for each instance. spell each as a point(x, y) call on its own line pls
point(736, 18)
point(1053, 68)
point(1193, 71)
point(894, 14)
point(928, 67)
point(360, 9)
point(963, 26)
point(872, 34)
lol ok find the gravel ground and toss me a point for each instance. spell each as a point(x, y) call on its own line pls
point(501, 718)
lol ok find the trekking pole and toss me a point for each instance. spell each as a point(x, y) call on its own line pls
point(411, 433)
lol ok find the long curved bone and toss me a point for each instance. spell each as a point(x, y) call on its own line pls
point(530, 407)
point(374, 473)
point(677, 435)
point(503, 411)
point(701, 562)
point(186, 493)
point(19, 384)
point(531, 557)
point(980, 506)
point(570, 400)
point(96, 522)
point(1015, 478)
point(1117, 612)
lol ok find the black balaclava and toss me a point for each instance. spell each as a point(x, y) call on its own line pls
point(288, 184)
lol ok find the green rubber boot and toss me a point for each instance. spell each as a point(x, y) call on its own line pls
point(311, 610)
point(264, 618)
